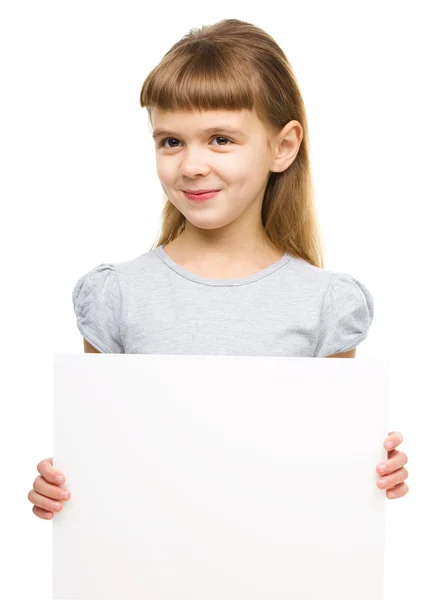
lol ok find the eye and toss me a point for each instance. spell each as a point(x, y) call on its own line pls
point(162, 143)
point(220, 137)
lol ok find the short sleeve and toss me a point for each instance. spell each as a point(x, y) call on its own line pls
point(346, 316)
point(96, 300)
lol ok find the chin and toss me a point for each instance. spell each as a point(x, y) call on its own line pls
point(206, 223)
point(201, 218)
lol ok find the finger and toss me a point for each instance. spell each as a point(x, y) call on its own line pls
point(41, 513)
point(393, 440)
point(390, 481)
point(46, 469)
point(49, 490)
point(396, 461)
point(397, 491)
point(43, 502)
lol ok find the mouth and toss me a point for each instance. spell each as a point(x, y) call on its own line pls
point(200, 191)
point(200, 194)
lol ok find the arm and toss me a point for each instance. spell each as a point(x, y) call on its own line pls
point(349, 354)
point(88, 348)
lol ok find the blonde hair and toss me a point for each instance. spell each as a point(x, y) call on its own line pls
point(234, 65)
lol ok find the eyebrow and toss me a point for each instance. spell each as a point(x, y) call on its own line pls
point(223, 128)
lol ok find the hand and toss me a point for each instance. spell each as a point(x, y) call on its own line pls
point(47, 493)
point(392, 478)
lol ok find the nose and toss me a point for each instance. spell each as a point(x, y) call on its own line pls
point(194, 164)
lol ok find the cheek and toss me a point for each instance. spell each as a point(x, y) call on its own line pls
point(163, 171)
point(245, 167)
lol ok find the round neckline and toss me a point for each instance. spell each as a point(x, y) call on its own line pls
point(162, 254)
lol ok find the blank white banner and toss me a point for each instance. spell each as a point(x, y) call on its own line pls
point(219, 477)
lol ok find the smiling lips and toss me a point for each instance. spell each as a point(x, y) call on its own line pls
point(200, 191)
point(201, 194)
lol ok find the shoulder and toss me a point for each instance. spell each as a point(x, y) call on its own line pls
point(114, 277)
point(96, 300)
point(330, 287)
point(346, 314)
point(135, 270)
point(335, 308)
point(100, 293)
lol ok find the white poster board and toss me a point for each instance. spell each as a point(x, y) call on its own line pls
point(219, 477)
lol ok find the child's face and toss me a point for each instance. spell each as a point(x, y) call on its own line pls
point(190, 158)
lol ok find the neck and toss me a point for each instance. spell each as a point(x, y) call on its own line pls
point(225, 244)
point(225, 250)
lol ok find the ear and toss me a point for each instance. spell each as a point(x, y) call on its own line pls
point(286, 146)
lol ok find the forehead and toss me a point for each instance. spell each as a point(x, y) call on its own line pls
point(200, 121)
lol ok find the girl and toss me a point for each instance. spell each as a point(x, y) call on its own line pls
point(238, 267)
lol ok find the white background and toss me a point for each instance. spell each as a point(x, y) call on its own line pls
point(78, 188)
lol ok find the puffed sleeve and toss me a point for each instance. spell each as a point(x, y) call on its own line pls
point(96, 300)
point(346, 315)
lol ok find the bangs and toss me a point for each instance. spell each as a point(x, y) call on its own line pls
point(200, 77)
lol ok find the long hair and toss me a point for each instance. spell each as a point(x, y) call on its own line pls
point(234, 65)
